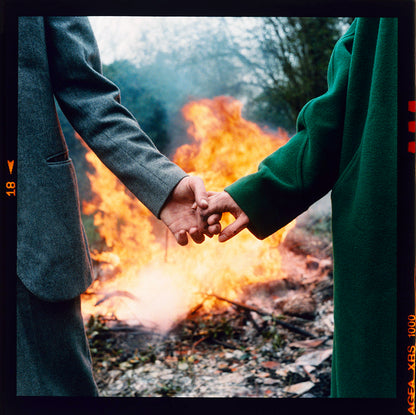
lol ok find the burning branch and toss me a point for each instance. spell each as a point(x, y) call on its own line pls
point(264, 313)
point(118, 293)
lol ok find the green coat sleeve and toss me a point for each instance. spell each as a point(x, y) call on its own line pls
point(305, 169)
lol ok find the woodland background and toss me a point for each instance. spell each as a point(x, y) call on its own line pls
point(274, 65)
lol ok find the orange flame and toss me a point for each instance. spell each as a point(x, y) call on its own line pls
point(144, 260)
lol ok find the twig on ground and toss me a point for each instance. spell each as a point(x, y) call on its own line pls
point(198, 342)
point(228, 345)
point(265, 313)
point(256, 326)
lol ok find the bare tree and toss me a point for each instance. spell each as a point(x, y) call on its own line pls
point(295, 53)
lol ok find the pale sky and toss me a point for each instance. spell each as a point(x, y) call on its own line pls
point(119, 37)
point(116, 34)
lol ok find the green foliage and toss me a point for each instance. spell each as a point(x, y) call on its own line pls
point(106, 350)
point(169, 389)
point(271, 332)
point(138, 98)
point(100, 342)
point(270, 108)
point(96, 242)
point(216, 328)
point(321, 226)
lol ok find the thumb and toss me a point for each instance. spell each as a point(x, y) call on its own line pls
point(200, 193)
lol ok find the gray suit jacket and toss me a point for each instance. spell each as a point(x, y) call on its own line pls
point(58, 57)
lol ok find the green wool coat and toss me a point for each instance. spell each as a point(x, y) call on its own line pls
point(346, 141)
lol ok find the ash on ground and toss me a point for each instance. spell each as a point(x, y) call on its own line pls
point(275, 342)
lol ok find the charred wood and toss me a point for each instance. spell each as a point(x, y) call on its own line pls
point(265, 313)
point(117, 293)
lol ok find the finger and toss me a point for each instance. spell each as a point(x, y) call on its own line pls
point(197, 236)
point(214, 219)
point(236, 227)
point(214, 229)
point(201, 223)
point(200, 194)
point(181, 238)
point(220, 202)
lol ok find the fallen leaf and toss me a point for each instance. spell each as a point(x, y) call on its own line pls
point(270, 364)
point(313, 358)
point(307, 343)
point(299, 388)
point(223, 366)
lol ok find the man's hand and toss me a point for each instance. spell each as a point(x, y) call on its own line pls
point(218, 204)
point(182, 211)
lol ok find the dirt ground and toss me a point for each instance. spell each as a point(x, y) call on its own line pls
point(276, 341)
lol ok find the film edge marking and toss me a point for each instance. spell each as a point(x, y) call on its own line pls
point(411, 147)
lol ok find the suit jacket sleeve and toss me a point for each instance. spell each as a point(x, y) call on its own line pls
point(305, 169)
point(91, 103)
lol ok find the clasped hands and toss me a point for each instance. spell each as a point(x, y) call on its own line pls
point(191, 210)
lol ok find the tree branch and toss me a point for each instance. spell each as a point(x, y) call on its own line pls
point(265, 313)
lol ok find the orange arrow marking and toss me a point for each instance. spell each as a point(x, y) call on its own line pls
point(11, 164)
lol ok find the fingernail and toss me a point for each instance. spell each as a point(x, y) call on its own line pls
point(222, 238)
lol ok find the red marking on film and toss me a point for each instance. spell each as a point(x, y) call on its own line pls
point(411, 147)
